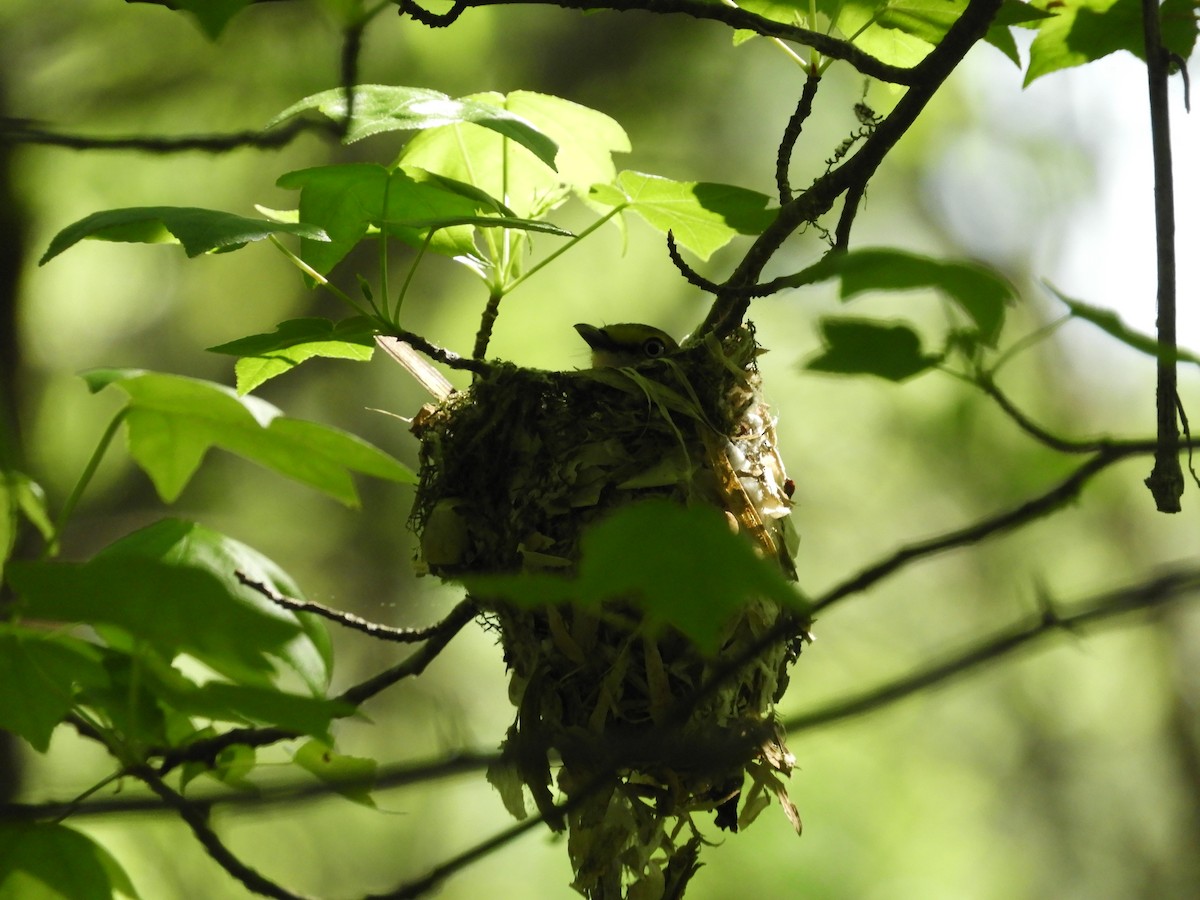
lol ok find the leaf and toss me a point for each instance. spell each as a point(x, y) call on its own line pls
point(252, 704)
point(172, 422)
point(265, 356)
point(1109, 322)
point(41, 675)
point(868, 347)
point(586, 141)
point(682, 566)
point(702, 216)
point(980, 292)
point(381, 108)
point(175, 585)
point(861, 21)
point(351, 776)
point(211, 15)
point(42, 861)
point(20, 498)
point(347, 200)
point(198, 230)
point(1080, 31)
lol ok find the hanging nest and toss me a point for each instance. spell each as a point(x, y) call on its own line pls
point(513, 472)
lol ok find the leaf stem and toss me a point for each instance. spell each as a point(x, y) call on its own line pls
point(393, 316)
point(85, 478)
point(320, 279)
point(565, 247)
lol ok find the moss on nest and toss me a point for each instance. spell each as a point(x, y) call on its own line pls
point(512, 473)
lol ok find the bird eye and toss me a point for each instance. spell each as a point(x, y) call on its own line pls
point(653, 348)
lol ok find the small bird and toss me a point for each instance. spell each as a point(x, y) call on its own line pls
point(627, 344)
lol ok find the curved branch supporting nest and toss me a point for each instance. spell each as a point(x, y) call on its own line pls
point(513, 472)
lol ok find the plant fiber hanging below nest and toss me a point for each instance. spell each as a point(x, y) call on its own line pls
point(513, 472)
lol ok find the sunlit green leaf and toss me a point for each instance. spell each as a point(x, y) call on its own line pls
point(702, 216)
point(1111, 323)
point(176, 585)
point(41, 675)
point(44, 861)
point(263, 356)
point(350, 776)
point(586, 140)
point(381, 107)
point(198, 230)
point(347, 200)
point(1080, 31)
point(172, 422)
point(868, 347)
point(682, 566)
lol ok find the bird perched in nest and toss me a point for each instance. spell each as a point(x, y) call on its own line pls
point(626, 344)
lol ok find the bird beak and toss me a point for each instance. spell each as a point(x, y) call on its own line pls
point(595, 337)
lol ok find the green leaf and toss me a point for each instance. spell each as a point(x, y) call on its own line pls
point(172, 422)
point(1109, 322)
point(682, 566)
point(351, 776)
point(1080, 31)
point(176, 585)
point(265, 356)
point(703, 216)
point(254, 704)
point(980, 292)
point(868, 347)
point(380, 108)
point(586, 140)
point(211, 15)
point(198, 230)
point(41, 675)
point(347, 200)
point(41, 861)
point(20, 498)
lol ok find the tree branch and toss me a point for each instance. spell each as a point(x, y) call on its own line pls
point(1164, 589)
point(197, 819)
point(730, 306)
point(700, 9)
point(345, 619)
point(1166, 478)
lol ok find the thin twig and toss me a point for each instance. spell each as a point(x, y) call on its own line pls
point(689, 274)
point(445, 357)
point(1166, 478)
point(23, 132)
point(395, 776)
point(791, 134)
point(733, 16)
point(345, 619)
point(440, 635)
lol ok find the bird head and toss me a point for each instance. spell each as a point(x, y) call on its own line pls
point(626, 344)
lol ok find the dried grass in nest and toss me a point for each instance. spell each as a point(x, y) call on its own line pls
point(513, 472)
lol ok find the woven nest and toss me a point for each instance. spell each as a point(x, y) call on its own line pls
point(512, 474)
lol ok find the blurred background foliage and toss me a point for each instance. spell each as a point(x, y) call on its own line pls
point(1072, 770)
